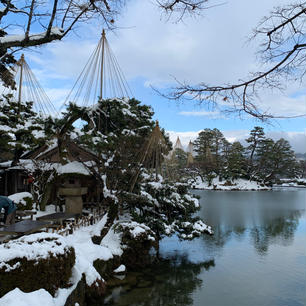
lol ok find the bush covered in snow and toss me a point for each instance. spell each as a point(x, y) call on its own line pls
point(137, 240)
point(35, 261)
point(23, 200)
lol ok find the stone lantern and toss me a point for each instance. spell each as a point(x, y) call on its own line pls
point(72, 191)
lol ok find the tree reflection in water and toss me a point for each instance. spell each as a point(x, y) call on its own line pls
point(242, 222)
point(169, 282)
point(279, 230)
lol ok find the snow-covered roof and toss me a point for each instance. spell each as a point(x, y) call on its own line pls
point(73, 167)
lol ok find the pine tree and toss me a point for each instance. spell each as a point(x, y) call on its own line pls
point(177, 164)
point(209, 147)
point(275, 159)
point(257, 136)
point(117, 131)
point(21, 129)
point(235, 162)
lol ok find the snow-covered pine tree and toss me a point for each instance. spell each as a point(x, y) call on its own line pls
point(21, 129)
point(118, 130)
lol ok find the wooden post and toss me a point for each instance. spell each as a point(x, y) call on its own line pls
point(20, 80)
point(102, 65)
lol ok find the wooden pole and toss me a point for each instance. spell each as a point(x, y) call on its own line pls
point(20, 79)
point(102, 64)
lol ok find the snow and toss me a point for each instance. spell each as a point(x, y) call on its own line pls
point(201, 227)
point(32, 247)
point(73, 167)
point(136, 229)
point(192, 199)
point(156, 185)
point(120, 269)
point(18, 198)
point(5, 128)
point(21, 37)
point(86, 253)
point(17, 297)
point(127, 112)
point(238, 184)
point(112, 240)
point(50, 209)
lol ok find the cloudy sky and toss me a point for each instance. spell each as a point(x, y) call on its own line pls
point(152, 50)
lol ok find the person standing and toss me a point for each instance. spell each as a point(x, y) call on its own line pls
point(10, 210)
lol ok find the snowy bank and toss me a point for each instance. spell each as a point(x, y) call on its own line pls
point(238, 184)
point(86, 253)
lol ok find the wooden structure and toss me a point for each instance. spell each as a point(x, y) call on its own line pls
point(74, 187)
point(13, 179)
point(58, 217)
point(23, 228)
point(53, 154)
point(20, 214)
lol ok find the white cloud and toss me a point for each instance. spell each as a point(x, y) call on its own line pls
point(211, 49)
point(207, 114)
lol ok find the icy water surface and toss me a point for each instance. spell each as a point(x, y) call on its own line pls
point(257, 256)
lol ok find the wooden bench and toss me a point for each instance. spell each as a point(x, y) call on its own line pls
point(58, 217)
point(20, 214)
point(24, 227)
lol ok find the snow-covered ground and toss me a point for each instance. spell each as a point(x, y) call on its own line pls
point(239, 184)
point(298, 183)
point(86, 253)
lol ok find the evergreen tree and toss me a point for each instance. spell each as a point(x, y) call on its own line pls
point(209, 147)
point(202, 147)
point(118, 131)
point(176, 165)
point(21, 129)
point(275, 159)
point(255, 141)
point(235, 162)
point(218, 141)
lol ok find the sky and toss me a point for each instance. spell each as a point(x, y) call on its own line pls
point(153, 51)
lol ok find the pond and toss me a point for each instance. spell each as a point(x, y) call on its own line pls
point(257, 256)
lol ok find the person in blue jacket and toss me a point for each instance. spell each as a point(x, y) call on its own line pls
point(10, 210)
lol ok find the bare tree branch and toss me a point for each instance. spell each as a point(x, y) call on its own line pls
point(283, 49)
point(52, 17)
point(30, 20)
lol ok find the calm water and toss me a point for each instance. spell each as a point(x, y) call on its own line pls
point(257, 256)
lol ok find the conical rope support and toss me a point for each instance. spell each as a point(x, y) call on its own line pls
point(28, 89)
point(101, 75)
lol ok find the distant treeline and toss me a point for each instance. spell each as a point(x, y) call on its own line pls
point(263, 159)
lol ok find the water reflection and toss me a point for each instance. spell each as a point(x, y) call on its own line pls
point(170, 282)
point(265, 217)
point(256, 257)
point(280, 231)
